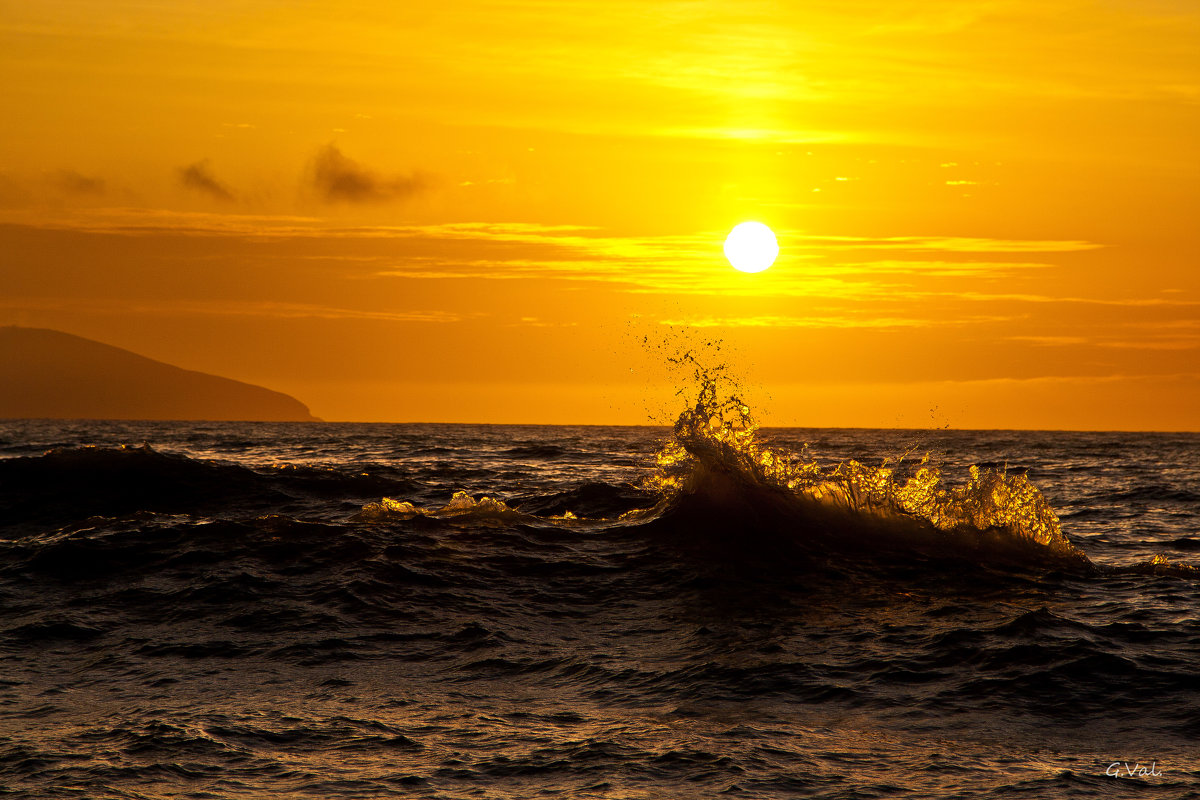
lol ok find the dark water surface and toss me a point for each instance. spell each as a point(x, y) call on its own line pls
point(234, 611)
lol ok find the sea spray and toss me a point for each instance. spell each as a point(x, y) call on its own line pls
point(461, 504)
point(715, 478)
point(714, 446)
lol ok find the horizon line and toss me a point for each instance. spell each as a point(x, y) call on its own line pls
point(320, 421)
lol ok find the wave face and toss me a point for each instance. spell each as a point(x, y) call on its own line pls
point(714, 468)
point(232, 609)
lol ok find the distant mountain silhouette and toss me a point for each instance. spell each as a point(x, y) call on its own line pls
point(45, 373)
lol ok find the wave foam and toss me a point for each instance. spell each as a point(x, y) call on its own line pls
point(714, 460)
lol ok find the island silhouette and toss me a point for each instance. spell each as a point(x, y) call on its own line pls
point(48, 374)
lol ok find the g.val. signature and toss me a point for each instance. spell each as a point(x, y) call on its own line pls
point(1119, 769)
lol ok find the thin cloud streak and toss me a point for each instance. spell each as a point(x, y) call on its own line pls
point(817, 321)
point(1147, 302)
point(687, 264)
point(248, 308)
point(952, 244)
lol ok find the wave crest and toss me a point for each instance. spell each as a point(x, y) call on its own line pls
point(714, 460)
point(461, 504)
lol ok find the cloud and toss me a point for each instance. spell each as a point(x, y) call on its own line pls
point(73, 183)
point(857, 321)
point(1050, 341)
point(671, 264)
point(245, 308)
point(941, 269)
point(949, 244)
point(340, 179)
point(1129, 302)
point(198, 176)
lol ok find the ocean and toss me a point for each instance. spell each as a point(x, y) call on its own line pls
point(242, 610)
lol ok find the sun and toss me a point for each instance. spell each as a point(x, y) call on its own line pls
point(751, 247)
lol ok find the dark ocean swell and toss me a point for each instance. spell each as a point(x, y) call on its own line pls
point(733, 618)
point(70, 484)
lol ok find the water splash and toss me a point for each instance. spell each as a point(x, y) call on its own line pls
point(1161, 566)
point(715, 478)
point(461, 505)
point(715, 442)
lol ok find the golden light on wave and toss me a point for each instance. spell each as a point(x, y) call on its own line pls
point(751, 247)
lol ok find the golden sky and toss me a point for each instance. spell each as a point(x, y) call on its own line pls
point(475, 211)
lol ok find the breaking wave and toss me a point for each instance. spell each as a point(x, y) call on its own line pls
point(713, 478)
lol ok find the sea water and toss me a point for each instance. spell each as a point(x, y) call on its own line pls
point(225, 610)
